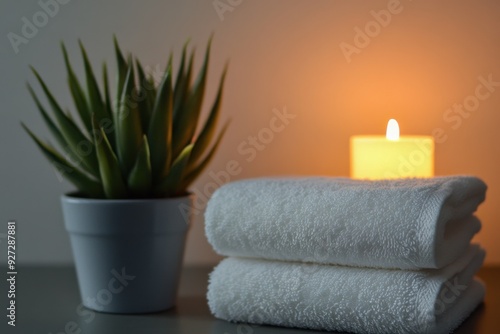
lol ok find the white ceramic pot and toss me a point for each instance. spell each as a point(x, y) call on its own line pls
point(128, 253)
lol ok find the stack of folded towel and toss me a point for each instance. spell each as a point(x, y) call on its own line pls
point(390, 256)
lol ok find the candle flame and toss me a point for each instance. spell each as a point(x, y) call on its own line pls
point(392, 130)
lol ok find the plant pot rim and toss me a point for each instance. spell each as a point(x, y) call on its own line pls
point(72, 197)
point(118, 217)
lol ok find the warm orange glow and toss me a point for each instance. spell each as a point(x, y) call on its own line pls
point(392, 156)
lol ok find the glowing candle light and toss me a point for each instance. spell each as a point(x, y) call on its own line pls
point(392, 156)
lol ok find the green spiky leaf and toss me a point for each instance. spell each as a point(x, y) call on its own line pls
point(77, 92)
point(48, 121)
point(85, 184)
point(112, 181)
point(140, 178)
point(108, 122)
point(107, 95)
point(182, 88)
point(171, 184)
point(128, 126)
point(181, 82)
point(195, 171)
point(186, 121)
point(73, 136)
point(122, 68)
point(160, 128)
point(208, 131)
point(144, 104)
point(95, 101)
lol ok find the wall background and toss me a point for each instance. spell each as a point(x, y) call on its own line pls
point(284, 54)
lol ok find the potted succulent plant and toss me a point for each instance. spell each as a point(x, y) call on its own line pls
point(131, 159)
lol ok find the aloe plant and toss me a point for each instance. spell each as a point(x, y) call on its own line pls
point(142, 143)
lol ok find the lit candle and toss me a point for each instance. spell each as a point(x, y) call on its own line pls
point(392, 156)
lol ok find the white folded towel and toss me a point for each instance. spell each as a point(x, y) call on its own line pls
point(406, 224)
point(336, 298)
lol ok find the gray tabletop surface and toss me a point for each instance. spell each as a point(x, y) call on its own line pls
point(48, 301)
